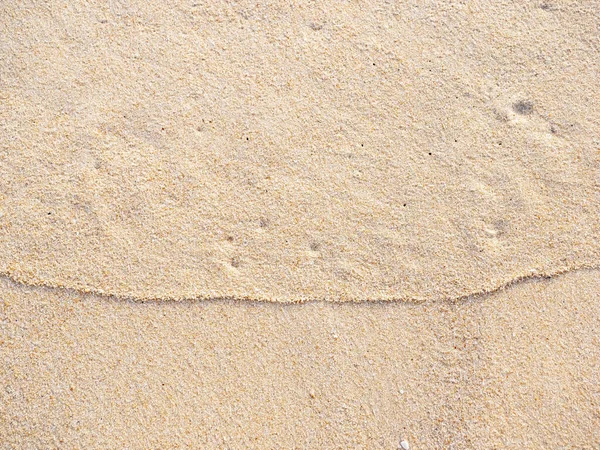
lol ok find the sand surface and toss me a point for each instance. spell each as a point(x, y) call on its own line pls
point(517, 369)
point(311, 225)
point(290, 151)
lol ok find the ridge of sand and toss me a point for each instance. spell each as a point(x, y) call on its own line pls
point(515, 281)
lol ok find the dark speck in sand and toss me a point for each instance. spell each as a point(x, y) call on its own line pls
point(523, 107)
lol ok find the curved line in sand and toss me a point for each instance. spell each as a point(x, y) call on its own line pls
point(200, 298)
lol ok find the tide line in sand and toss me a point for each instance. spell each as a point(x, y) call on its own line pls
point(533, 276)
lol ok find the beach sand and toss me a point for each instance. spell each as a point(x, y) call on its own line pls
point(287, 151)
point(515, 369)
point(351, 224)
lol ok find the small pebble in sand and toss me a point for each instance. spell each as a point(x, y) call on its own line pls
point(404, 445)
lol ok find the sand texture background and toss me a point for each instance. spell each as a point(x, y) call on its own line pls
point(281, 225)
point(518, 369)
point(290, 151)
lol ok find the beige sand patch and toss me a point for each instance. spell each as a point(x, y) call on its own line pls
point(347, 151)
point(518, 369)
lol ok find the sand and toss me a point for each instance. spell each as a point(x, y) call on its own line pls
point(297, 225)
point(290, 151)
point(516, 369)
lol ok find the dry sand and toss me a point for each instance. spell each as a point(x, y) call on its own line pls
point(291, 151)
point(166, 165)
point(516, 369)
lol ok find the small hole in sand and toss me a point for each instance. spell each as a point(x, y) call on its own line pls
point(523, 107)
point(315, 246)
point(229, 238)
